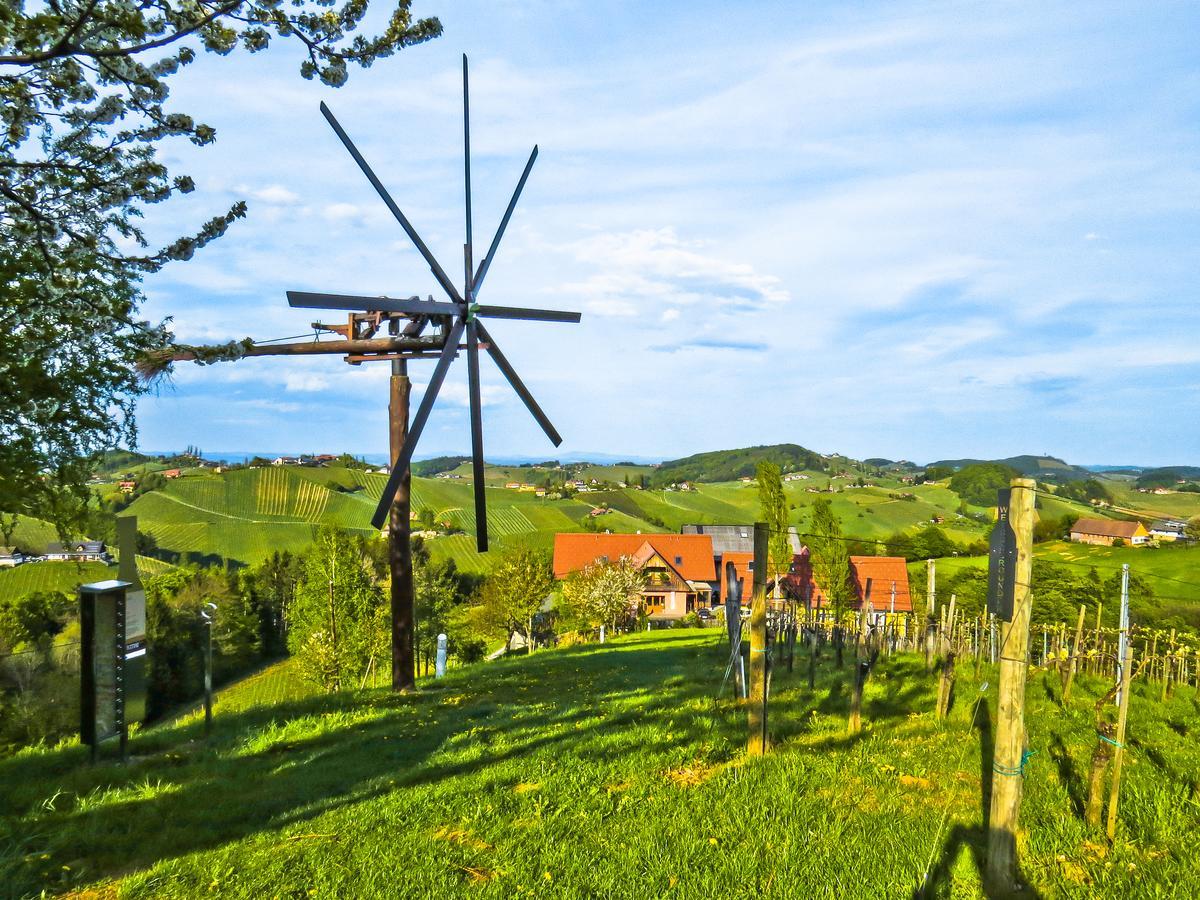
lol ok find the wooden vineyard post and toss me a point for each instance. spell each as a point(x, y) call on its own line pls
point(1168, 659)
point(946, 682)
point(1074, 662)
point(1008, 761)
point(756, 742)
point(1118, 757)
point(862, 671)
point(930, 611)
point(404, 669)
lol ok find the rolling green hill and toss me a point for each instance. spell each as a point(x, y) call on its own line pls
point(1043, 468)
point(729, 465)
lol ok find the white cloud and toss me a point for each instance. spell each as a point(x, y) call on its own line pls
point(341, 212)
point(273, 193)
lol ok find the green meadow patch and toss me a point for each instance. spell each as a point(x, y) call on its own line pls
point(602, 770)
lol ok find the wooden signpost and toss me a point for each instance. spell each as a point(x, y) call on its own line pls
point(1008, 761)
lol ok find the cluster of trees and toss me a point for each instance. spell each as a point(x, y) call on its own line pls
point(115, 501)
point(938, 473)
point(1058, 592)
point(730, 465)
point(977, 484)
point(930, 542)
point(1088, 490)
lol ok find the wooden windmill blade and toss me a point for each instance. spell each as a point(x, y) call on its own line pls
point(434, 266)
point(409, 305)
point(418, 425)
point(463, 311)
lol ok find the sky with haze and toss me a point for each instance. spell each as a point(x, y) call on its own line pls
point(909, 230)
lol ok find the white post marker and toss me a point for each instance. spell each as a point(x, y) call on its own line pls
point(1123, 636)
point(439, 666)
point(602, 634)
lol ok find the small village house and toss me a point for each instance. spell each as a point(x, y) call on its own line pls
point(172, 473)
point(77, 551)
point(879, 583)
point(127, 487)
point(1106, 532)
point(680, 575)
point(10, 557)
point(1169, 530)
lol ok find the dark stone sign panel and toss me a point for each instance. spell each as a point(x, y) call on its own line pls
point(102, 662)
point(1002, 561)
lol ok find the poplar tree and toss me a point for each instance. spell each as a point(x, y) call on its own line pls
point(829, 555)
point(772, 503)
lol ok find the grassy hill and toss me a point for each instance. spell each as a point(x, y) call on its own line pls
point(603, 771)
point(244, 515)
point(1043, 468)
point(729, 465)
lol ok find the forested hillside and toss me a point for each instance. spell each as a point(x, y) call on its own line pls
point(730, 465)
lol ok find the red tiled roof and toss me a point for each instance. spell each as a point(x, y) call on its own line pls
point(573, 552)
point(742, 572)
point(879, 571)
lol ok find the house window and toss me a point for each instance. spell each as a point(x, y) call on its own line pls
point(750, 566)
point(679, 560)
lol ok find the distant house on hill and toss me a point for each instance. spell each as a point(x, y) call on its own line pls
point(680, 575)
point(94, 551)
point(1169, 530)
point(172, 473)
point(10, 557)
point(127, 487)
point(285, 461)
point(1105, 531)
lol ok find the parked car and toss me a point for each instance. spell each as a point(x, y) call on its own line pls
point(705, 614)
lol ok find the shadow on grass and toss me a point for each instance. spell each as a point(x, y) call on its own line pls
point(183, 795)
point(940, 881)
point(1067, 776)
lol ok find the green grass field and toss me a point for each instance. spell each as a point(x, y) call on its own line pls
point(52, 576)
point(602, 771)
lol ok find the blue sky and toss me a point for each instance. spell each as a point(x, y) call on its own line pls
point(905, 230)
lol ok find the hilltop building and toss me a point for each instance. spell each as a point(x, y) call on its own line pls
point(1104, 532)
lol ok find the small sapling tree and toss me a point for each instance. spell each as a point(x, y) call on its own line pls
point(830, 556)
point(513, 592)
point(335, 622)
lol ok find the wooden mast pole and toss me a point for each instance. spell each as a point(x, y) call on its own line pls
point(1009, 755)
point(404, 669)
point(756, 743)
